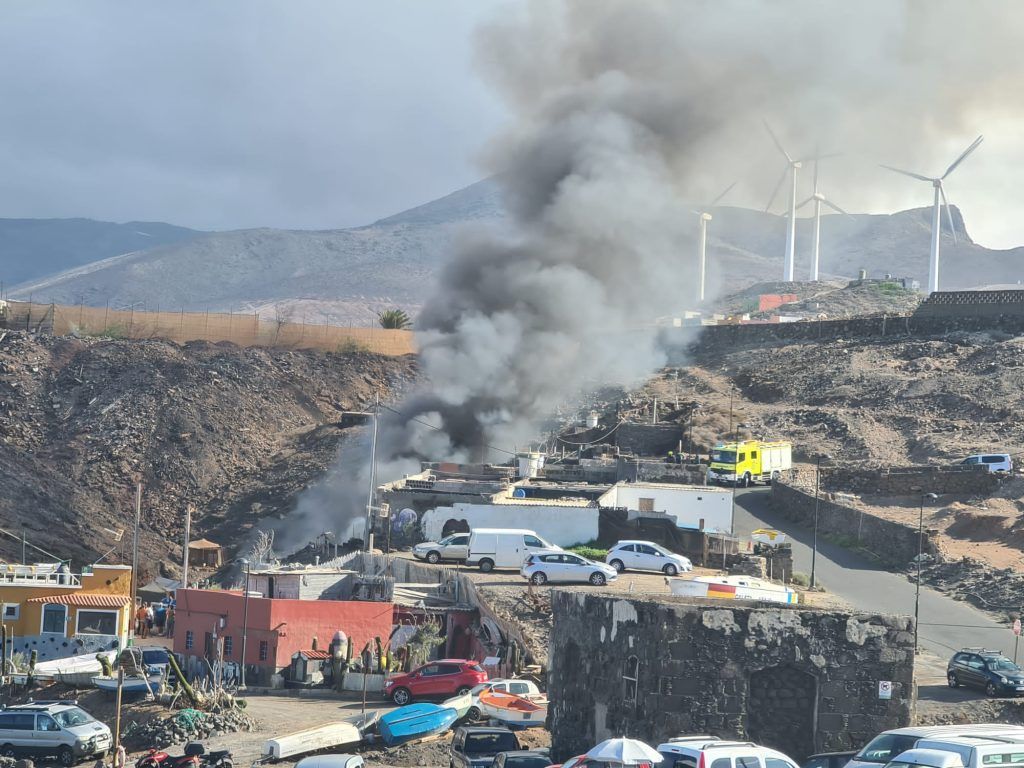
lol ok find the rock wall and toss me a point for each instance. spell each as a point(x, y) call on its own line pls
point(801, 681)
point(648, 439)
point(894, 543)
point(908, 481)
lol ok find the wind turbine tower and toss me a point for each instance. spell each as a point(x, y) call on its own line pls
point(818, 198)
point(792, 166)
point(940, 192)
point(703, 217)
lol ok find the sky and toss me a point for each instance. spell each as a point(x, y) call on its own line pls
point(325, 114)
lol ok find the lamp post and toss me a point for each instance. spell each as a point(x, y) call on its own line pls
point(817, 489)
point(920, 552)
point(245, 620)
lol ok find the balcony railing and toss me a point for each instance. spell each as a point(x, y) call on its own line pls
point(44, 575)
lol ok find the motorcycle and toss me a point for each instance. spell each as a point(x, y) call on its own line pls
point(195, 756)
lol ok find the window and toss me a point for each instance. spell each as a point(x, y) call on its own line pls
point(449, 669)
point(628, 548)
point(747, 761)
point(533, 541)
point(646, 550)
point(672, 760)
point(17, 722)
point(518, 688)
point(551, 558)
point(975, 662)
point(882, 748)
point(645, 505)
point(573, 560)
point(55, 618)
point(431, 670)
point(97, 622)
point(229, 645)
point(189, 640)
point(742, 457)
point(264, 650)
point(69, 718)
point(630, 676)
point(1003, 758)
point(777, 762)
point(12, 611)
point(721, 762)
point(46, 723)
point(753, 455)
point(460, 540)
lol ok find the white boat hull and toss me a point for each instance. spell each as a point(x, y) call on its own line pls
point(514, 717)
point(312, 740)
point(722, 589)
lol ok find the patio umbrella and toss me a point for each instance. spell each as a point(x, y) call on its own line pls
point(624, 752)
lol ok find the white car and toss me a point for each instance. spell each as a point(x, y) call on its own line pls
point(646, 556)
point(454, 547)
point(687, 751)
point(542, 567)
point(993, 462)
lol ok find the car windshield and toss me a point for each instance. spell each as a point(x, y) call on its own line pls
point(724, 457)
point(491, 743)
point(1001, 664)
point(527, 761)
point(972, 460)
point(69, 718)
point(882, 748)
point(447, 539)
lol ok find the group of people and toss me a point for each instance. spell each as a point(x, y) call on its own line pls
point(154, 619)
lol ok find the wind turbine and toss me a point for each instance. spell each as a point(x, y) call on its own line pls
point(702, 242)
point(933, 264)
point(792, 166)
point(818, 198)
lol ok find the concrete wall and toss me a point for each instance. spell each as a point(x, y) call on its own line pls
point(894, 543)
point(902, 481)
point(561, 525)
point(798, 680)
point(692, 507)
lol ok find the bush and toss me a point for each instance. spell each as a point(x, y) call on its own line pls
point(800, 579)
point(591, 550)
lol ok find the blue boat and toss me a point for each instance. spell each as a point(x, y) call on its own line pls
point(415, 721)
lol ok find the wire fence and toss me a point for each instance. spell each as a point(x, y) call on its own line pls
point(245, 330)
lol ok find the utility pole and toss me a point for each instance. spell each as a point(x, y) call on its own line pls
point(135, 545)
point(245, 621)
point(373, 474)
point(184, 556)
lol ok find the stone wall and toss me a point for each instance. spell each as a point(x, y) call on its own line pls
point(648, 439)
point(801, 681)
point(894, 543)
point(973, 479)
point(996, 304)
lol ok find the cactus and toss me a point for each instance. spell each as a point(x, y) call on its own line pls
point(105, 666)
point(380, 654)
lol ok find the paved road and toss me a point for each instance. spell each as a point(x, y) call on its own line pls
point(946, 624)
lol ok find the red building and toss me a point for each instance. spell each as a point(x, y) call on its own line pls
point(276, 628)
point(767, 301)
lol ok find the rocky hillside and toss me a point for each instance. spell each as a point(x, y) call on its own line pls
point(237, 432)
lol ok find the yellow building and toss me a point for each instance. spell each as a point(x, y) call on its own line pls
point(56, 613)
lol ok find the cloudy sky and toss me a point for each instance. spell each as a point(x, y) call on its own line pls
point(318, 114)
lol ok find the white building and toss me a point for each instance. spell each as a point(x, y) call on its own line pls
point(692, 506)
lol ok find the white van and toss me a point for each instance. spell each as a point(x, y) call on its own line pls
point(52, 729)
point(491, 548)
point(887, 746)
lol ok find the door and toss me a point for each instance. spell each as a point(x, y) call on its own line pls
point(976, 671)
point(575, 568)
point(47, 735)
point(647, 558)
point(448, 679)
point(457, 548)
point(625, 555)
point(427, 681)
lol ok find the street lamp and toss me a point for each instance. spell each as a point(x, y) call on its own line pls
point(920, 552)
point(245, 620)
point(817, 497)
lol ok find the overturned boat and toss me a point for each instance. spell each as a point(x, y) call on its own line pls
point(734, 588)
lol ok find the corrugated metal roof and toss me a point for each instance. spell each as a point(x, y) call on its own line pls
point(84, 600)
point(315, 655)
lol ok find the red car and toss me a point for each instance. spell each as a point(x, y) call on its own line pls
point(436, 679)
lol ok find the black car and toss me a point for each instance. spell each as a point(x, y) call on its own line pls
point(828, 760)
point(989, 670)
point(522, 759)
point(474, 747)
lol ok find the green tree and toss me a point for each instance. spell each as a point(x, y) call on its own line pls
point(395, 319)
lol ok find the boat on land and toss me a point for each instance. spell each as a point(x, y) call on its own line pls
point(460, 704)
point(415, 721)
point(130, 684)
point(510, 709)
point(733, 588)
point(337, 734)
point(77, 671)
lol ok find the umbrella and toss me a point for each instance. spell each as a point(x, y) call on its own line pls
point(624, 752)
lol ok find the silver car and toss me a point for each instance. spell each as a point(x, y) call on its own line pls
point(454, 547)
point(52, 729)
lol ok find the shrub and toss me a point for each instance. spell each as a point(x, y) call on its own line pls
point(800, 579)
point(591, 550)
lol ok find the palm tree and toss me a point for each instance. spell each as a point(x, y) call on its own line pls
point(395, 319)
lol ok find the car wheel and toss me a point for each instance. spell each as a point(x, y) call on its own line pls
point(951, 679)
point(473, 714)
point(539, 578)
point(7, 751)
point(598, 579)
point(433, 557)
point(486, 565)
point(401, 696)
point(617, 565)
point(462, 690)
point(65, 756)
point(670, 570)
point(991, 689)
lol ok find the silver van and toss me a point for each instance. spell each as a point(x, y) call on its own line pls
point(52, 729)
point(889, 745)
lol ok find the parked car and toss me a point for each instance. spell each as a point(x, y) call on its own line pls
point(828, 760)
point(689, 752)
point(926, 758)
point(646, 556)
point(474, 747)
point(436, 679)
point(522, 759)
point(331, 761)
point(890, 744)
point(454, 547)
point(491, 548)
point(563, 567)
point(974, 751)
point(525, 688)
point(988, 670)
point(994, 462)
point(52, 729)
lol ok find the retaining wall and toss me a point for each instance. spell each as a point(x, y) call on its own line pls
point(909, 481)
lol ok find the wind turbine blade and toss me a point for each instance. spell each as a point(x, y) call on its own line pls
point(833, 206)
point(724, 193)
point(963, 157)
point(805, 202)
point(777, 143)
point(816, 159)
point(949, 214)
point(775, 191)
point(908, 173)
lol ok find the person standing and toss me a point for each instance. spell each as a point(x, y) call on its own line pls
point(140, 621)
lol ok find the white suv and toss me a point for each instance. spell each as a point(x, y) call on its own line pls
point(994, 462)
point(712, 752)
point(646, 556)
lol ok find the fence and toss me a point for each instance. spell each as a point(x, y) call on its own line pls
point(242, 329)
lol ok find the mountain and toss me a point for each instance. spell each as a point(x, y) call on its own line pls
point(347, 275)
point(34, 248)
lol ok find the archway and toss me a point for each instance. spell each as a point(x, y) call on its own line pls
point(454, 526)
point(781, 707)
